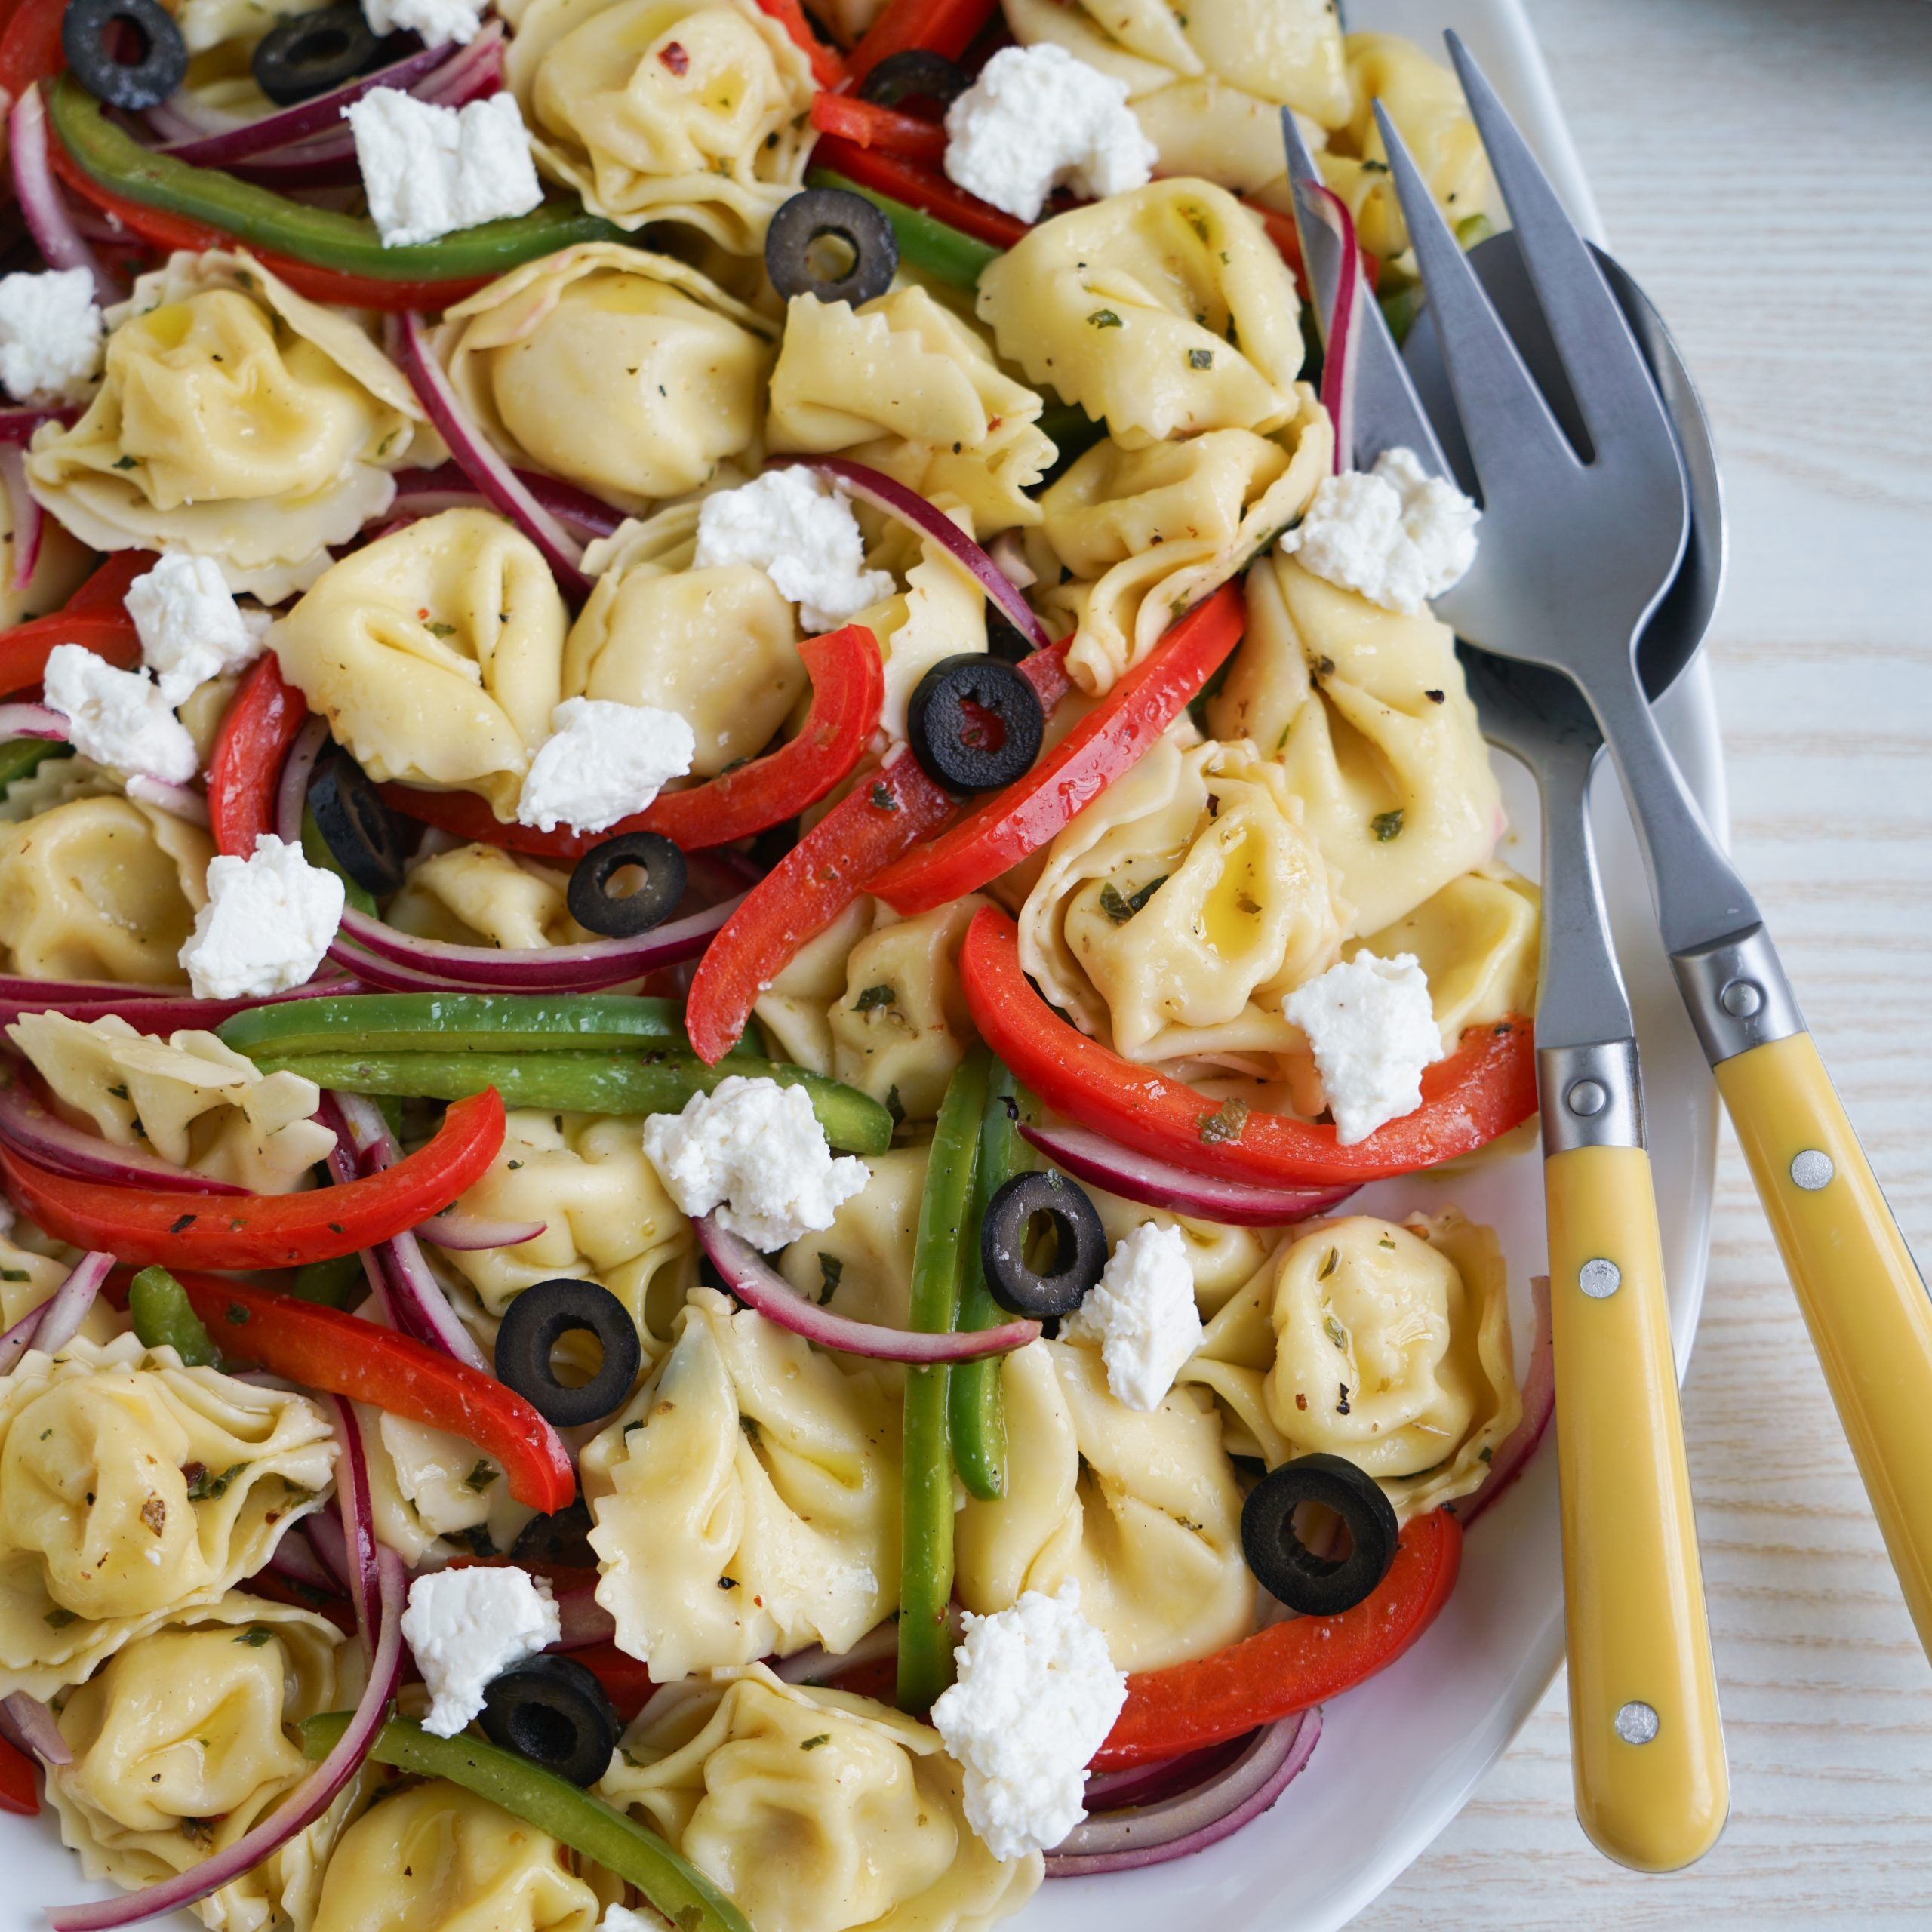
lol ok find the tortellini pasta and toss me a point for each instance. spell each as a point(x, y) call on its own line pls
point(179, 1749)
point(861, 1266)
point(28, 1278)
point(435, 1496)
point(941, 612)
point(1166, 310)
point(481, 895)
point(795, 1010)
point(681, 111)
point(1143, 1510)
point(57, 570)
point(436, 653)
point(1367, 711)
point(625, 371)
point(747, 1500)
point(1178, 911)
point(1476, 940)
point(816, 1810)
point(1386, 1344)
point(236, 419)
point(188, 1098)
point(131, 1489)
point(101, 888)
point(903, 385)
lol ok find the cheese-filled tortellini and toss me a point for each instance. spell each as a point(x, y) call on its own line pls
point(1178, 911)
point(941, 612)
point(795, 1010)
point(904, 386)
point(57, 571)
point(481, 895)
point(861, 1266)
point(691, 112)
point(1141, 1509)
point(1166, 310)
point(101, 888)
point(621, 370)
point(188, 1098)
point(817, 1811)
point(436, 653)
point(435, 1496)
point(180, 1748)
point(433, 1857)
point(29, 1279)
point(1476, 940)
point(132, 1488)
point(236, 419)
point(1368, 714)
point(747, 1500)
point(1386, 1343)
point(1132, 538)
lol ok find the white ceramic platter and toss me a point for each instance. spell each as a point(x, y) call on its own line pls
point(1399, 1757)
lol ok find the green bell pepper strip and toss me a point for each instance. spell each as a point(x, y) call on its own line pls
point(458, 1022)
point(587, 1083)
point(976, 1406)
point(334, 1284)
point(163, 1317)
point(349, 244)
point(925, 1573)
point(21, 757)
point(674, 1886)
point(924, 242)
point(315, 850)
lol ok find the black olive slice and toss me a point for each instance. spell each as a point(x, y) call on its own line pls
point(355, 825)
point(562, 1538)
point(537, 1320)
point(806, 222)
point(313, 53)
point(1285, 1566)
point(975, 723)
point(913, 73)
point(1080, 1245)
point(594, 905)
point(553, 1711)
point(127, 53)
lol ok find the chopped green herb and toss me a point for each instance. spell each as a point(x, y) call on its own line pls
point(882, 798)
point(831, 1271)
point(813, 1744)
point(14, 1275)
point(1200, 359)
point(254, 1639)
point(1386, 825)
point(126, 463)
point(203, 1486)
point(1335, 1332)
point(1225, 1123)
point(875, 996)
point(1105, 318)
point(437, 628)
point(57, 1619)
point(482, 1476)
point(1330, 1262)
point(1122, 907)
point(895, 1106)
point(1385, 1242)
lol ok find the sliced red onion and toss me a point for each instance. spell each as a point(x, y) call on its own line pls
point(292, 791)
point(424, 492)
point(33, 721)
point(331, 1548)
point(818, 1665)
point(584, 1620)
point(34, 1729)
point(1179, 1826)
point(52, 1325)
point(1147, 1784)
point(147, 1009)
point(295, 1559)
point(17, 426)
point(355, 1515)
point(1538, 1405)
point(29, 522)
point(1338, 366)
point(1156, 1184)
point(475, 73)
point(60, 242)
point(468, 1233)
point(907, 506)
point(759, 1286)
point(1010, 554)
point(43, 1137)
point(181, 802)
point(480, 463)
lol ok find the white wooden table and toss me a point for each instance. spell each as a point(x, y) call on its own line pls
point(1765, 167)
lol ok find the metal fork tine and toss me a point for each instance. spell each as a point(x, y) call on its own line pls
point(1513, 438)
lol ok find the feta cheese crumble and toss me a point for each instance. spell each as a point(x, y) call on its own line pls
point(621, 1918)
point(1373, 1030)
point(802, 535)
point(754, 1151)
point(267, 924)
point(601, 762)
point(1141, 1315)
point(50, 336)
point(1036, 1695)
point(465, 1627)
point(440, 23)
point(117, 718)
point(1037, 118)
point(1395, 534)
point(429, 170)
point(190, 626)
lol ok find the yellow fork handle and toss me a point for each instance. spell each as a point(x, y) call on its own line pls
point(1647, 1744)
point(1863, 1296)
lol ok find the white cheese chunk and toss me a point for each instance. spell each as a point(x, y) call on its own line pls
point(1036, 118)
point(190, 626)
point(429, 170)
point(621, 1918)
point(1372, 1028)
point(267, 924)
point(802, 535)
point(1141, 1315)
point(754, 1151)
point(601, 762)
point(1395, 534)
point(440, 23)
point(1036, 1695)
point(465, 1628)
point(117, 718)
point(50, 336)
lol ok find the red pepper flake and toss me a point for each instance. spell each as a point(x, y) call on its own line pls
point(674, 57)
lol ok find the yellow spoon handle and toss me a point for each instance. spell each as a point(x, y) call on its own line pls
point(1647, 1745)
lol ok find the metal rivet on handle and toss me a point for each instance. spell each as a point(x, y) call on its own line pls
point(1743, 999)
point(1586, 1098)
point(1813, 1170)
point(1636, 1723)
point(1599, 1278)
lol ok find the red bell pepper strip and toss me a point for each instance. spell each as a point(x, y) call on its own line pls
point(30, 47)
point(1289, 1667)
point(626, 1681)
point(938, 26)
point(20, 1790)
point(107, 589)
point(343, 1355)
point(93, 617)
point(868, 125)
point(918, 187)
point(828, 65)
point(148, 1225)
point(1002, 830)
point(1487, 1085)
point(250, 745)
point(848, 690)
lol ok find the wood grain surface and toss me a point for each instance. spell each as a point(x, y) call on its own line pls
point(1765, 167)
